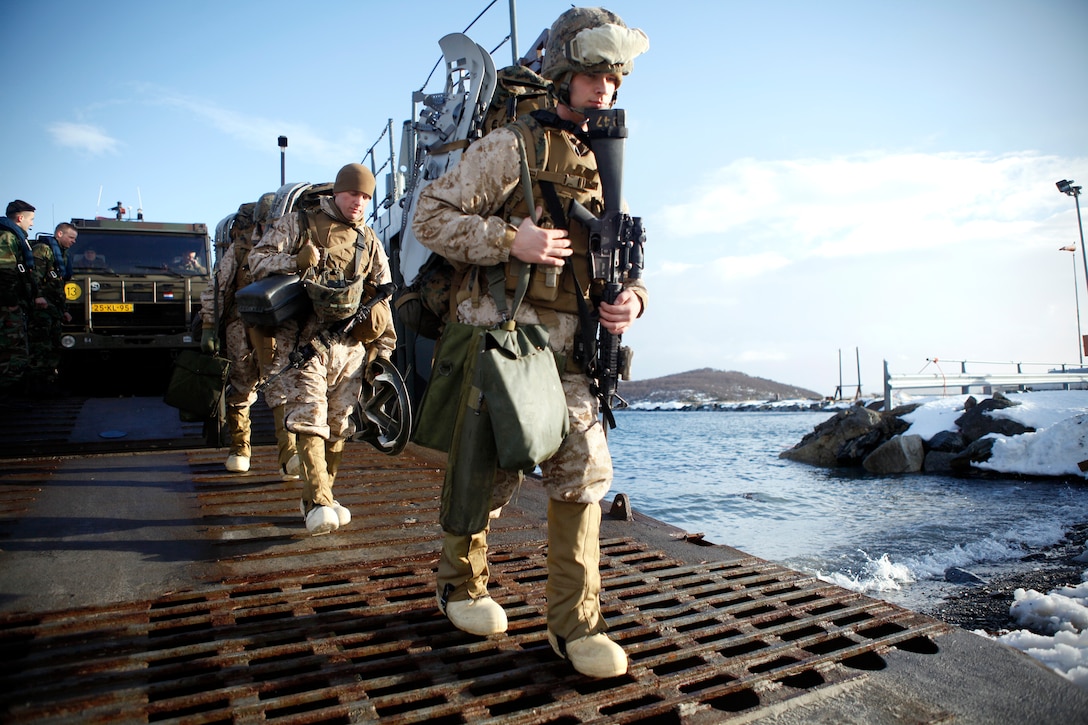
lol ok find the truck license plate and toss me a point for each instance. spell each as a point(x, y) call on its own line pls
point(111, 307)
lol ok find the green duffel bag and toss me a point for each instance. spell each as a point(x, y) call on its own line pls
point(518, 380)
point(197, 384)
point(455, 357)
point(470, 473)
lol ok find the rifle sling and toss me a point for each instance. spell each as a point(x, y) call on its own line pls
point(586, 329)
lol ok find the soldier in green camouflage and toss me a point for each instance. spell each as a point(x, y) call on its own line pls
point(18, 295)
point(476, 214)
point(52, 269)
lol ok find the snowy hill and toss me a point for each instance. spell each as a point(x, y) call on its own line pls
point(708, 386)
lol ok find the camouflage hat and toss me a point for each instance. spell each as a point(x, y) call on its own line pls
point(591, 40)
point(354, 177)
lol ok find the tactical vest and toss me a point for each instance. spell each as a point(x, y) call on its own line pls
point(241, 236)
point(242, 275)
point(559, 158)
point(52, 279)
point(336, 289)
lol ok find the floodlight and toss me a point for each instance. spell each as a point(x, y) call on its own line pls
point(1065, 186)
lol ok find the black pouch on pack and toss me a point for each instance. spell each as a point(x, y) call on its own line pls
point(271, 301)
point(197, 384)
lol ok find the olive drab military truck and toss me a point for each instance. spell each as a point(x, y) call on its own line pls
point(135, 289)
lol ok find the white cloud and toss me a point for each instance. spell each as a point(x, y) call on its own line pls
point(256, 131)
point(768, 214)
point(83, 137)
point(674, 268)
point(751, 265)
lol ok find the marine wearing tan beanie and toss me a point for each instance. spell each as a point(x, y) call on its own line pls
point(354, 177)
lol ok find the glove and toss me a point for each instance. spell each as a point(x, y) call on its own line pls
point(307, 257)
point(374, 325)
point(209, 343)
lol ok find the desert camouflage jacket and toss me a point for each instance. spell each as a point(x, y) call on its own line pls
point(458, 213)
point(275, 254)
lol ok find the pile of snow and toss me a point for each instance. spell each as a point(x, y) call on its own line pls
point(1057, 623)
point(1058, 446)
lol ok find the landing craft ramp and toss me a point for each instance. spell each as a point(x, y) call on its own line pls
point(155, 587)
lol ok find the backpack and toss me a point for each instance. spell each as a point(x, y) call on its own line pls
point(426, 304)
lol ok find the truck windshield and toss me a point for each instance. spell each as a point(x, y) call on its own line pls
point(138, 253)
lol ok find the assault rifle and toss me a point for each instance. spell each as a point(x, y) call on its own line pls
point(616, 242)
point(302, 355)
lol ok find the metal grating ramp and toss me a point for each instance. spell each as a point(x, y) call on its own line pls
point(278, 626)
point(364, 643)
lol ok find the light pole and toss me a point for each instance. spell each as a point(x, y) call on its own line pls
point(1076, 298)
point(282, 140)
point(1066, 187)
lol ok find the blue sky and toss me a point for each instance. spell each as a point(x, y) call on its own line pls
point(813, 177)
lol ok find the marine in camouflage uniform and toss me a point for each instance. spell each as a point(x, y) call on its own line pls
point(248, 349)
point(324, 244)
point(18, 295)
point(52, 269)
point(476, 215)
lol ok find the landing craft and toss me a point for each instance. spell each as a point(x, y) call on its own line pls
point(442, 126)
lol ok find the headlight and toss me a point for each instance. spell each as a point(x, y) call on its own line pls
point(67, 342)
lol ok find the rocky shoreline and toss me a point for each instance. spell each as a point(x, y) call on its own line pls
point(986, 605)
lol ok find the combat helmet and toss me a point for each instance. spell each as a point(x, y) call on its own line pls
point(262, 213)
point(589, 40)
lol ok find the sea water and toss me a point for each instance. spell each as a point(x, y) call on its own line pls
point(892, 537)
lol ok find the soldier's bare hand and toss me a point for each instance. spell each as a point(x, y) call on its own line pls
point(617, 317)
point(535, 245)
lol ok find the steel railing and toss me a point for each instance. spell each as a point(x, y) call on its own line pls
point(1060, 375)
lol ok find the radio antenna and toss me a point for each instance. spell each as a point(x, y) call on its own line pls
point(140, 207)
point(98, 204)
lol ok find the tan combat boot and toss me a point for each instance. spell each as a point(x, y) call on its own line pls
point(462, 586)
point(334, 452)
point(239, 426)
point(316, 503)
point(285, 443)
point(575, 626)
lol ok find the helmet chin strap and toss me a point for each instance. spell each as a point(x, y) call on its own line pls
point(562, 95)
point(584, 112)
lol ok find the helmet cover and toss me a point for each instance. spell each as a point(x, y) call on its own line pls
point(591, 40)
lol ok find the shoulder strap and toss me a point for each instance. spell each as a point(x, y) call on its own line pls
point(496, 285)
point(583, 352)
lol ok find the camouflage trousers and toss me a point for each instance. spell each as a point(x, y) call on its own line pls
point(322, 394)
point(43, 343)
point(245, 372)
point(14, 354)
point(581, 470)
point(273, 347)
